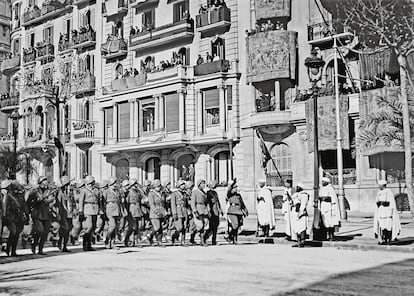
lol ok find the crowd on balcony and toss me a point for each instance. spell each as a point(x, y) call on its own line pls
point(85, 33)
point(265, 102)
point(33, 137)
point(208, 59)
point(29, 55)
point(267, 26)
point(326, 90)
point(83, 125)
point(7, 137)
point(146, 27)
point(211, 4)
point(7, 100)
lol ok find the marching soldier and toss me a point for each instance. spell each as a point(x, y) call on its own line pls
point(134, 217)
point(236, 211)
point(215, 212)
point(201, 210)
point(146, 209)
point(64, 207)
point(88, 211)
point(157, 211)
point(191, 227)
point(76, 223)
point(102, 215)
point(112, 200)
point(179, 211)
point(123, 194)
point(15, 213)
point(40, 201)
point(300, 223)
point(168, 221)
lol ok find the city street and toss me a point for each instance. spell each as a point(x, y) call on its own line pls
point(248, 269)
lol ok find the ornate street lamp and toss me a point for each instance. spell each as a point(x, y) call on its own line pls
point(15, 117)
point(314, 65)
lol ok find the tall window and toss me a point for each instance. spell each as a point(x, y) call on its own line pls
point(217, 49)
point(180, 11)
point(48, 35)
point(172, 113)
point(222, 167)
point(119, 71)
point(86, 163)
point(67, 27)
point(148, 19)
point(123, 121)
point(148, 116)
point(281, 154)
point(16, 46)
point(31, 39)
point(212, 107)
point(109, 124)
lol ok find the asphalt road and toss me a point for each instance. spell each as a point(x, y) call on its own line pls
point(249, 269)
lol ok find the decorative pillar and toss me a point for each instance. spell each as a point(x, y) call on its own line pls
point(277, 95)
point(131, 119)
point(161, 107)
point(181, 107)
point(115, 123)
point(44, 125)
point(140, 115)
point(223, 106)
point(157, 108)
point(173, 175)
point(200, 109)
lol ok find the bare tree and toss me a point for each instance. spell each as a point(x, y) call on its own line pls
point(388, 23)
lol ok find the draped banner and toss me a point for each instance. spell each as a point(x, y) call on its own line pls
point(327, 123)
point(271, 55)
point(266, 9)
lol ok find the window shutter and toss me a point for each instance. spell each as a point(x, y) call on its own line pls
point(89, 161)
point(211, 98)
point(229, 96)
point(123, 121)
point(92, 11)
point(172, 113)
point(187, 57)
point(108, 123)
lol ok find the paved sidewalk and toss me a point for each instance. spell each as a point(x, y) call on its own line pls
point(355, 233)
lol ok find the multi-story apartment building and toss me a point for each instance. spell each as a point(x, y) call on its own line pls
point(181, 89)
point(5, 17)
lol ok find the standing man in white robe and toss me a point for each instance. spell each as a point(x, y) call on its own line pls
point(329, 207)
point(265, 208)
point(387, 224)
point(300, 223)
point(287, 210)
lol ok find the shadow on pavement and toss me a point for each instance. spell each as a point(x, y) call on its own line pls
point(389, 279)
point(403, 241)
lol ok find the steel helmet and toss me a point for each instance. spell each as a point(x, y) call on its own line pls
point(111, 181)
point(89, 180)
point(41, 179)
point(132, 182)
point(5, 184)
point(64, 181)
point(125, 183)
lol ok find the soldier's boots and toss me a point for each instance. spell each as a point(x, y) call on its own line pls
point(192, 237)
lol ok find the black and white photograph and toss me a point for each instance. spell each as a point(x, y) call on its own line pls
point(206, 147)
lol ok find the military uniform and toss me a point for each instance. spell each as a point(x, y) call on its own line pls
point(235, 213)
point(201, 212)
point(15, 215)
point(113, 212)
point(62, 203)
point(135, 216)
point(145, 207)
point(156, 214)
point(180, 213)
point(74, 212)
point(215, 212)
point(40, 201)
point(88, 211)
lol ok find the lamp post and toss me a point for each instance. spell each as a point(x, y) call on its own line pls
point(314, 65)
point(230, 137)
point(15, 117)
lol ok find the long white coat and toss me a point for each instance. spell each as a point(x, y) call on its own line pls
point(265, 208)
point(329, 210)
point(386, 217)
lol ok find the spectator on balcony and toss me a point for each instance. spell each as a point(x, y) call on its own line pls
point(209, 58)
point(186, 15)
point(200, 60)
point(345, 89)
point(203, 9)
point(132, 31)
point(270, 25)
point(136, 73)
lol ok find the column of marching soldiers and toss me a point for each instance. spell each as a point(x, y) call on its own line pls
point(123, 212)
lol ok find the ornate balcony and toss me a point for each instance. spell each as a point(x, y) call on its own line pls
point(122, 84)
point(49, 10)
point(29, 55)
point(114, 47)
point(271, 55)
point(84, 134)
point(212, 67)
point(320, 34)
point(10, 65)
point(166, 36)
point(64, 45)
point(84, 38)
point(83, 83)
point(214, 21)
point(9, 103)
point(45, 51)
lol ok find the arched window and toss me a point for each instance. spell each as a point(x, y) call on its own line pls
point(50, 122)
point(86, 114)
point(281, 155)
point(39, 122)
point(119, 29)
point(222, 167)
point(122, 169)
point(119, 70)
point(29, 123)
point(152, 169)
point(185, 167)
point(184, 56)
point(217, 49)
